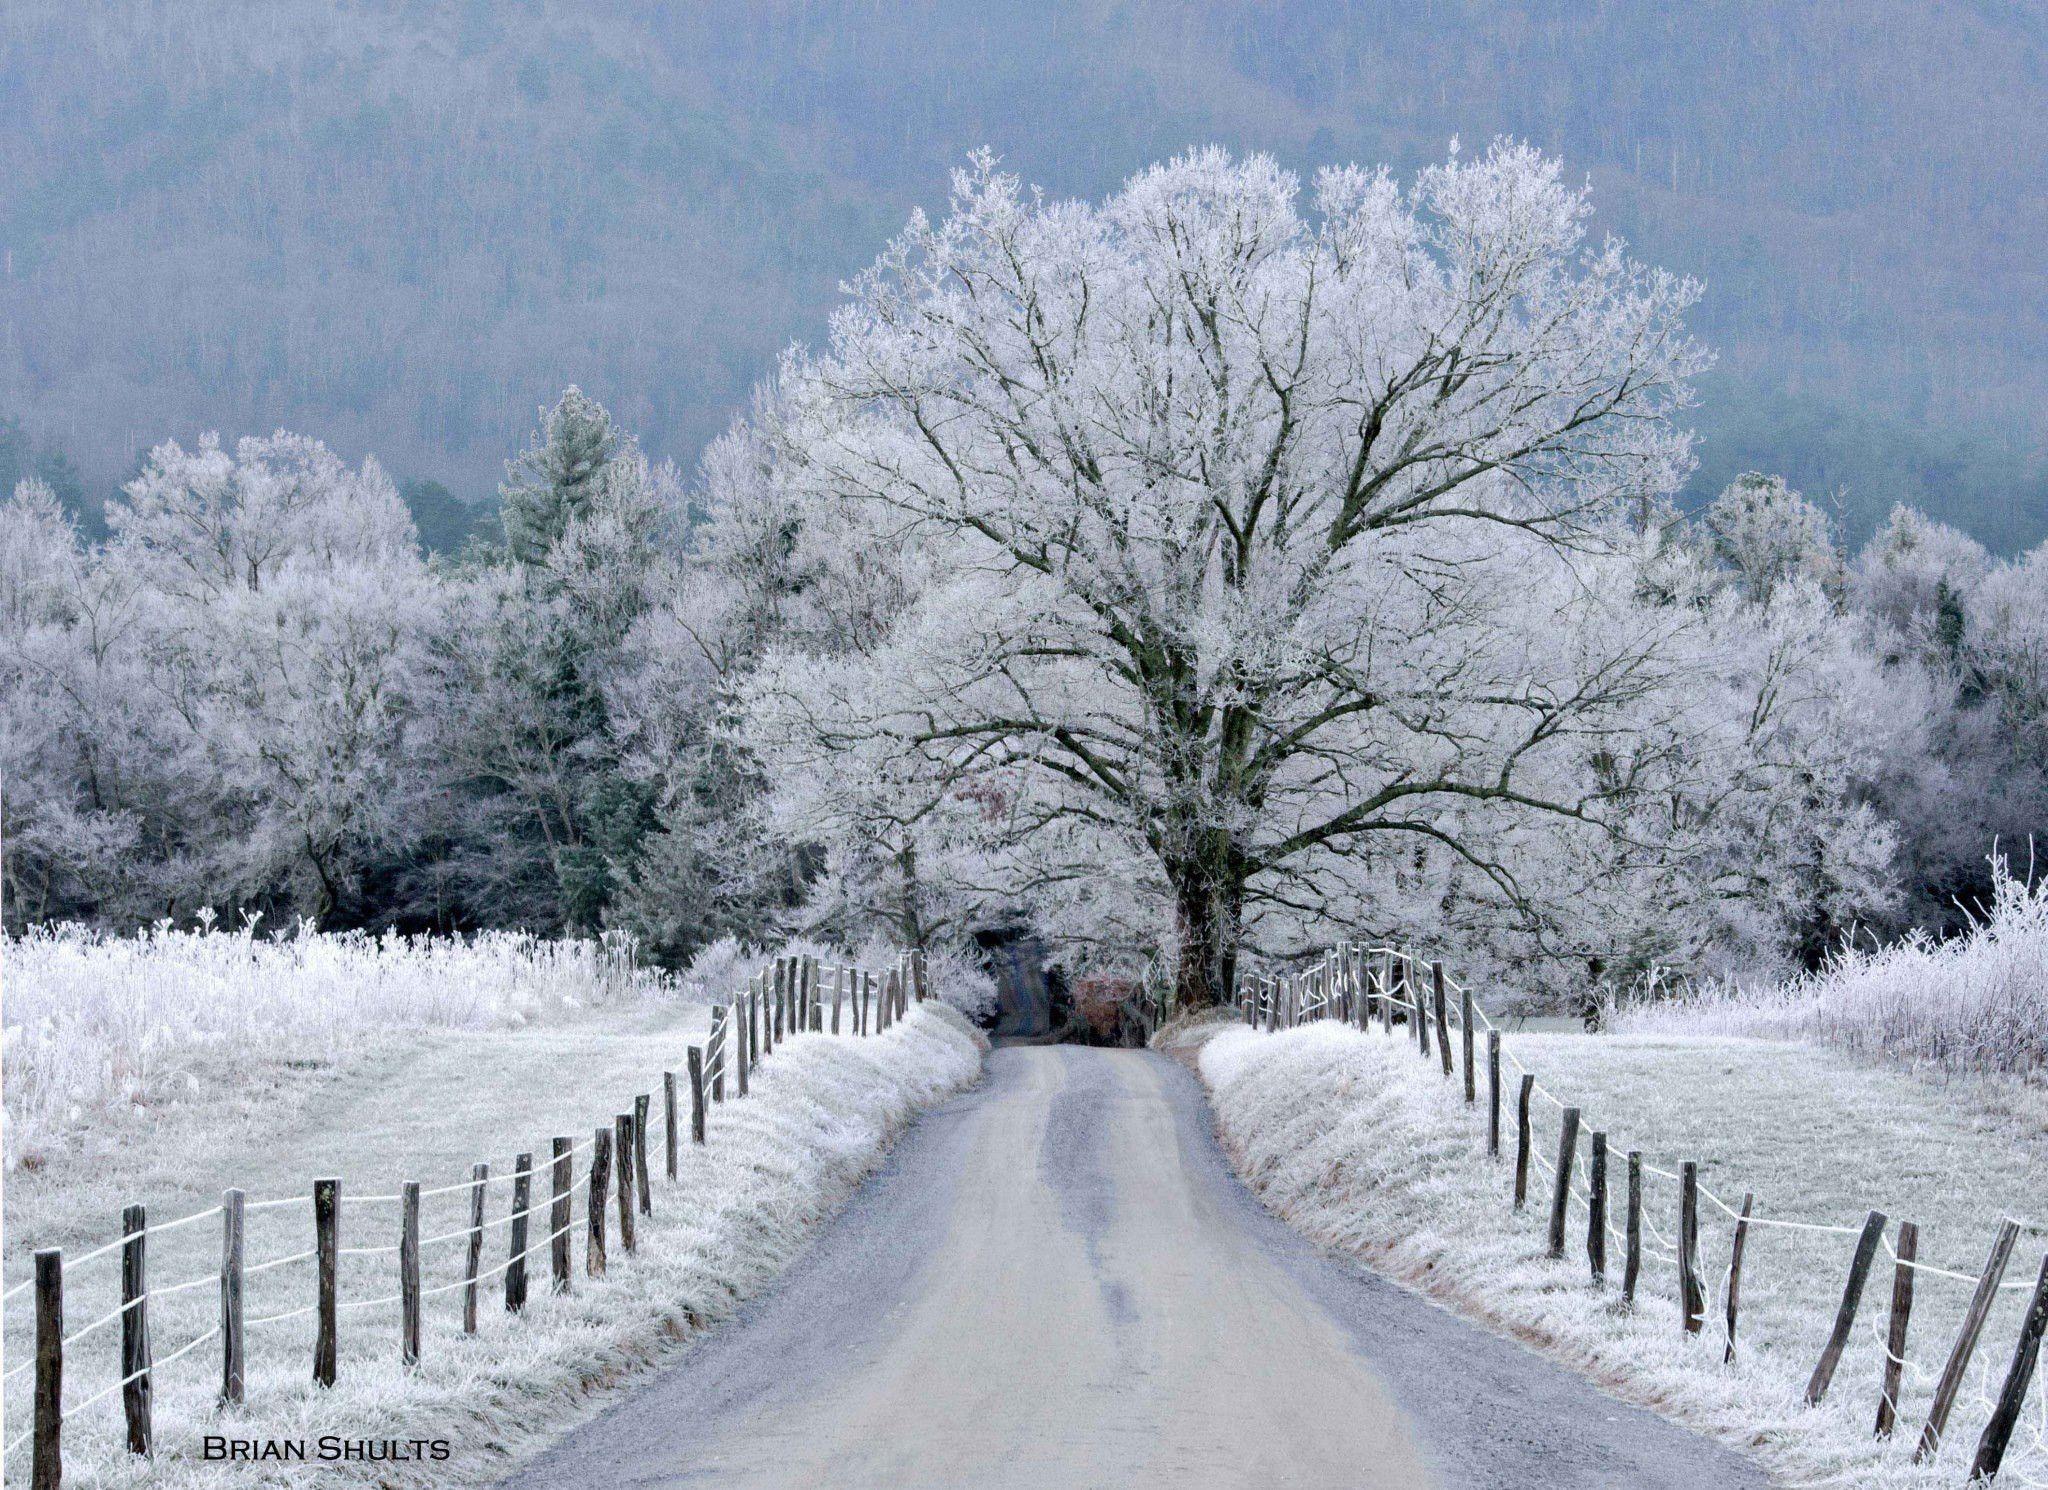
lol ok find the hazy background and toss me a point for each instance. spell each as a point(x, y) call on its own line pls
point(400, 227)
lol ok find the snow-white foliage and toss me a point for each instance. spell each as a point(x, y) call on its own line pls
point(819, 1113)
point(1217, 566)
point(102, 1030)
point(1976, 1002)
point(1369, 1150)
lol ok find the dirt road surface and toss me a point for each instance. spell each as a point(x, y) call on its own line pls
point(1057, 1283)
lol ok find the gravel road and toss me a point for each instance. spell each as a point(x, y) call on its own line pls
point(1057, 1282)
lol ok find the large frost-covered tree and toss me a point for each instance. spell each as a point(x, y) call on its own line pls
point(1258, 544)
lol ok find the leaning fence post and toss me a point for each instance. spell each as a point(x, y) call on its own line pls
point(696, 1095)
point(2018, 1376)
point(1907, 1252)
point(1465, 1024)
point(135, 1360)
point(1561, 1191)
point(1966, 1342)
point(409, 1273)
point(1632, 1231)
point(327, 1244)
point(622, 1147)
point(1443, 1024)
point(47, 1456)
point(560, 1215)
point(522, 1203)
point(1596, 1210)
point(1493, 1094)
point(1735, 1250)
point(641, 1104)
point(479, 1182)
point(1690, 1299)
point(1522, 1140)
point(600, 1179)
point(1845, 1315)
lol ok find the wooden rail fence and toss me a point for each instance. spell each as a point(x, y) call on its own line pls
point(788, 997)
point(1383, 986)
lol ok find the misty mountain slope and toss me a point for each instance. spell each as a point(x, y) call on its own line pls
point(401, 226)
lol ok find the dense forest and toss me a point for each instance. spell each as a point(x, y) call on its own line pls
point(405, 225)
point(1194, 570)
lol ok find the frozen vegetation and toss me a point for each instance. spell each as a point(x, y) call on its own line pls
point(106, 1030)
point(1371, 1151)
point(1972, 1003)
point(819, 1112)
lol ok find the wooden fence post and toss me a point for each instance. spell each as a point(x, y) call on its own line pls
point(1596, 1210)
point(2018, 1376)
point(600, 1179)
point(670, 1137)
point(1735, 1271)
point(1632, 1229)
point(46, 1471)
point(560, 1213)
point(135, 1357)
point(1386, 991)
point(1951, 1380)
point(838, 994)
point(1561, 1189)
point(1908, 1251)
point(1690, 1299)
point(1443, 1023)
point(1522, 1140)
point(622, 1147)
point(743, 1017)
point(778, 994)
point(327, 1244)
point(714, 1045)
point(409, 1274)
point(472, 1262)
point(1465, 1024)
point(1845, 1314)
point(696, 1095)
point(232, 1232)
point(522, 1203)
point(1493, 1094)
point(645, 1194)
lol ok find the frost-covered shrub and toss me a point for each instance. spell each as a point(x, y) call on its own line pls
point(1978, 1002)
point(101, 1027)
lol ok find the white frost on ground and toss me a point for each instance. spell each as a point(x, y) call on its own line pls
point(1369, 1150)
point(1974, 1003)
point(820, 1112)
point(105, 1032)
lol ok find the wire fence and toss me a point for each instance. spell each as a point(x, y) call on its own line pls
point(793, 995)
point(1367, 985)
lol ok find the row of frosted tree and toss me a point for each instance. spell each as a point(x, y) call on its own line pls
point(1189, 573)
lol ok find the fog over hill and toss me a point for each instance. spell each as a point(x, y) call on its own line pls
point(401, 226)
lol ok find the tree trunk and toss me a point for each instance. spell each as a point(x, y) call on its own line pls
point(1209, 916)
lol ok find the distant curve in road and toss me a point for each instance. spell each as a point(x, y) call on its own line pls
point(1056, 1281)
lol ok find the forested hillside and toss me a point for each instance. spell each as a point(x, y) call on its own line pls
point(403, 226)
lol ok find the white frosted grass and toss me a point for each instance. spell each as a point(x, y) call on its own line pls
point(1369, 1150)
point(820, 1112)
point(101, 1029)
point(1975, 1003)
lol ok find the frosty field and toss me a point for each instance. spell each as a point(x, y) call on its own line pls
point(1369, 1150)
point(476, 1076)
